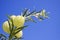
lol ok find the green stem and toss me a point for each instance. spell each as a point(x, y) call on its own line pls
point(10, 37)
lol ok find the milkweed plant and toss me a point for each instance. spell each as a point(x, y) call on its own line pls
point(15, 24)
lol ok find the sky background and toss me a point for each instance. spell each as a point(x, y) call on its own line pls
point(48, 29)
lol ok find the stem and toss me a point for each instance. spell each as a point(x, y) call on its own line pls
point(11, 30)
point(10, 37)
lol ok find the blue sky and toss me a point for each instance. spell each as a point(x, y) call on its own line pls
point(48, 29)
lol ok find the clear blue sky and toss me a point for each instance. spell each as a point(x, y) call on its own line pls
point(48, 29)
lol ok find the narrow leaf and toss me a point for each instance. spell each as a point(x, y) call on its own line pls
point(31, 13)
point(25, 11)
point(9, 26)
point(30, 19)
point(1, 35)
point(19, 29)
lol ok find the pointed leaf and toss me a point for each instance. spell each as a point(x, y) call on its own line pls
point(1, 35)
point(31, 19)
point(25, 11)
point(31, 13)
point(9, 26)
point(19, 29)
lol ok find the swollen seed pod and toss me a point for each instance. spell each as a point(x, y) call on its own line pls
point(6, 27)
point(19, 34)
point(19, 21)
point(12, 17)
point(43, 13)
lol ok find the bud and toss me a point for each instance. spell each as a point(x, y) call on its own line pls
point(19, 21)
point(43, 13)
point(19, 34)
point(12, 17)
point(6, 27)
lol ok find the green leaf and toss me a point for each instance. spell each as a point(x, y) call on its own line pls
point(19, 29)
point(12, 26)
point(30, 19)
point(1, 35)
point(31, 12)
point(17, 38)
point(9, 26)
point(25, 12)
point(33, 20)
